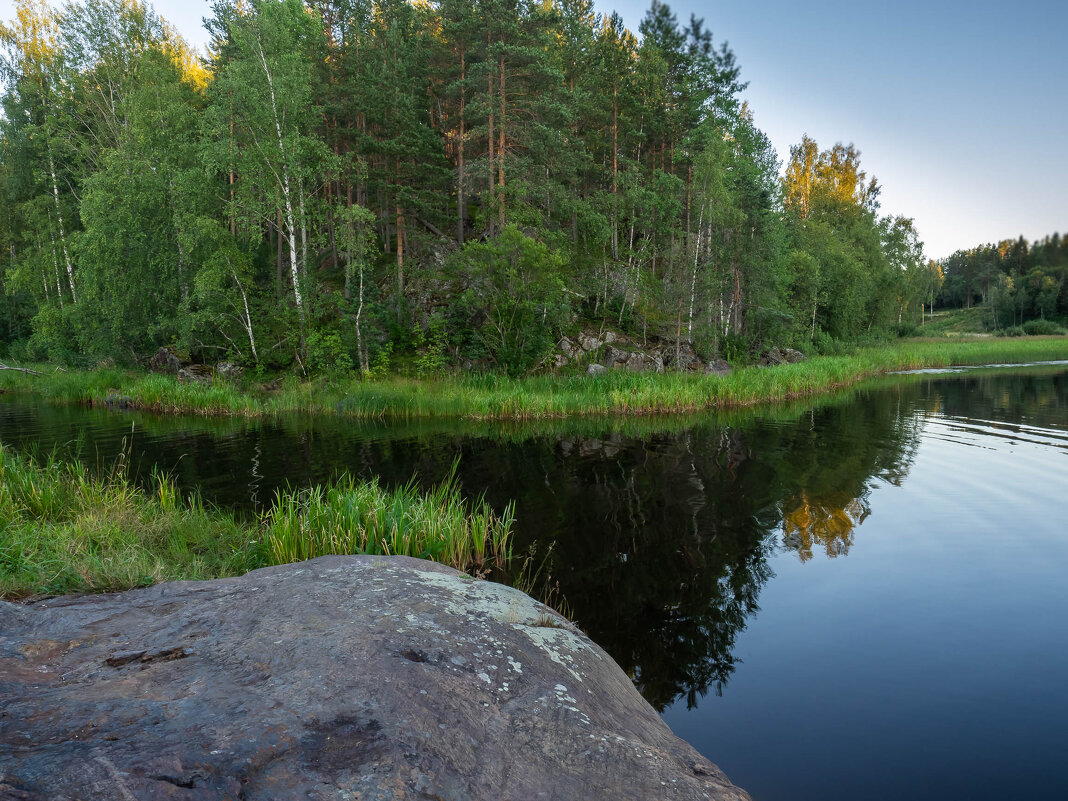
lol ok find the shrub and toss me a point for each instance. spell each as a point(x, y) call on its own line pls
point(1011, 331)
point(1041, 327)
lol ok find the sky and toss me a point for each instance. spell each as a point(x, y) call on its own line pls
point(958, 107)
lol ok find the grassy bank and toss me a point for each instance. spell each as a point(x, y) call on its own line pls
point(63, 529)
point(499, 398)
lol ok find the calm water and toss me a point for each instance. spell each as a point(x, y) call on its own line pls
point(861, 598)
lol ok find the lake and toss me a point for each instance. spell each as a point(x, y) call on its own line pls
point(862, 596)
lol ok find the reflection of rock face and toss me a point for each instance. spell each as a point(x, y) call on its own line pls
point(359, 677)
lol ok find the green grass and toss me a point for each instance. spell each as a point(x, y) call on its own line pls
point(63, 529)
point(493, 397)
point(361, 517)
point(957, 322)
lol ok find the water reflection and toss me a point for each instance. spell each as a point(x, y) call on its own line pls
point(660, 531)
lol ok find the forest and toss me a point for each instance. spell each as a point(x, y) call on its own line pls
point(359, 186)
point(1021, 287)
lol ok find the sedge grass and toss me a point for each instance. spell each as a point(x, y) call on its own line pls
point(353, 517)
point(495, 397)
point(64, 529)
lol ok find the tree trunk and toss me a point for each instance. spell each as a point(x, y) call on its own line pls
point(286, 194)
point(489, 216)
point(62, 232)
point(500, 149)
point(460, 149)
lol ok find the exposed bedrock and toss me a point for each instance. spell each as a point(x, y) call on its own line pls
point(339, 678)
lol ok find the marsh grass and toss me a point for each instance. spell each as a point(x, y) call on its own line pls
point(353, 517)
point(65, 529)
point(497, 397)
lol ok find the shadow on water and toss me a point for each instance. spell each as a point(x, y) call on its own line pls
point(660, 529)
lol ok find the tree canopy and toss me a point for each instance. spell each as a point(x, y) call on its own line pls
point(342, 183)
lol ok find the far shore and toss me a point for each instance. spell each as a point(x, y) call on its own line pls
point(496, 397)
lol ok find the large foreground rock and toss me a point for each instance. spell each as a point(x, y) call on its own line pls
point(339, 678)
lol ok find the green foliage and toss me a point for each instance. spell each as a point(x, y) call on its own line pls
point(353, 517)
point(511, 302)
point(327, 354)
point(1042, 327)
point(500, 167)
point(64, 529)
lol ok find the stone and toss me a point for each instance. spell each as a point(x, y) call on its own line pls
point(228, 370)
point(164, 362)
point(639, 362)
point(718, 367)
point(588, 342)
point(596, 369)
point(117, 401)
point(195, 374)
point(559, 361)
point(613, 356)
point(569, 348)
point(778, 355)
point(343, 677)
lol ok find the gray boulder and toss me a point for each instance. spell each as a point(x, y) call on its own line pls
point(228, 370)
point(569, 348)
point(778, 355)
point(718, 367)
point(195, 374)
point(596, 369)
point(589, 342)
point(342, 677)
point(164, 361)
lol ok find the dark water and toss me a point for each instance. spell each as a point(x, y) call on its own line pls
point(865, 597)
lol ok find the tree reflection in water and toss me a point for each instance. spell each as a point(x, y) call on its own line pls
point(660, 530)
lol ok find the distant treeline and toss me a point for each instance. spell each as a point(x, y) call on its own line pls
point(1016, 281)
point(359, 184)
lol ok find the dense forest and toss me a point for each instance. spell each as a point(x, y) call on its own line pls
point(1014, 281)
point(349, 185)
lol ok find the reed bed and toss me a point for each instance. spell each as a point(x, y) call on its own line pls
point(353, 517)
point(65, 529)
point(496, 397)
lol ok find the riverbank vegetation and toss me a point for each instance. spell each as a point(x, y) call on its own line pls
point(65, 528)
point(353, 188)
point(499, 397)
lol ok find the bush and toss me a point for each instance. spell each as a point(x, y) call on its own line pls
point(1011, 331)
point(513, 304)
point(904, 330)
point(1041, 327)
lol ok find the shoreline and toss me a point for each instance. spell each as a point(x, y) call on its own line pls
point(498, 398)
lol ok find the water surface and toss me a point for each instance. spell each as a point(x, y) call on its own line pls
point(860, 597)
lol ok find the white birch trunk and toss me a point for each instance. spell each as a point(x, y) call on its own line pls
point(294, 265)
point(693, 282)
point(248, 318)
point(62, 233)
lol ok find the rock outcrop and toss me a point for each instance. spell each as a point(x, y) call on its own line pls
point(607, 350)
point(342, 677)
point(164, 361)
point(777, 355)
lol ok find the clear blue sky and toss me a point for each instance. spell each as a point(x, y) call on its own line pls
point(960, 109)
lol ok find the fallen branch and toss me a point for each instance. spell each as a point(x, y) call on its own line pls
point(18, 369)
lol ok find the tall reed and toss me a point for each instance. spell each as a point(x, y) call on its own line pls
point(353, 517)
